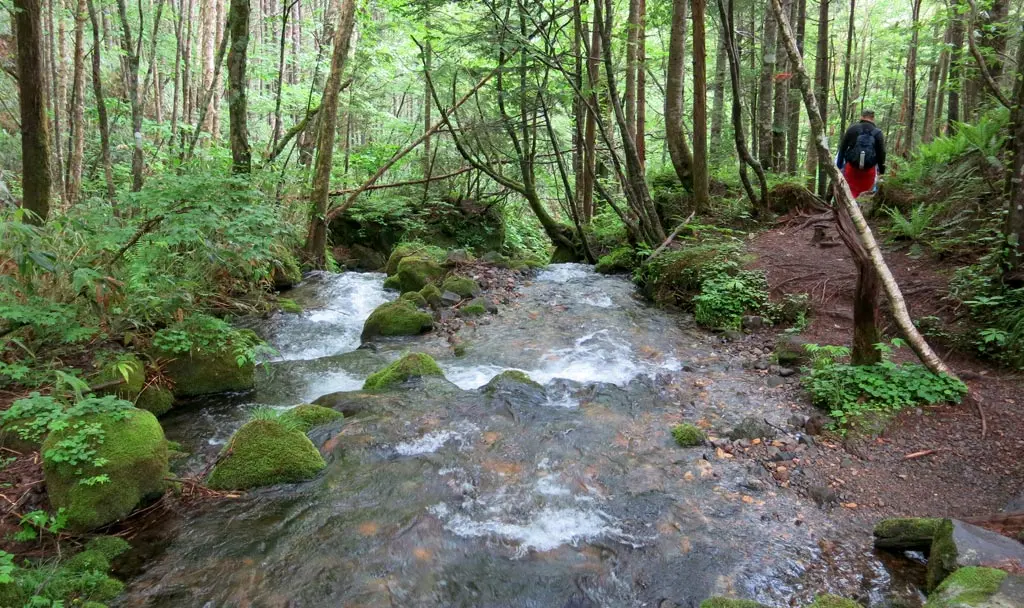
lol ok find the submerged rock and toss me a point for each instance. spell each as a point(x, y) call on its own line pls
point(398, 318)
point(135, 455)
point(306, 416)
point(265, 453)
point(906, 533)
point(958, 544)
point(476, 308)
point(346, 403)
point(413, 365)
point(415, 273)
point(975, 587)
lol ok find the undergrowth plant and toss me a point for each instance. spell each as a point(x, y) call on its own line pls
point(203, 333)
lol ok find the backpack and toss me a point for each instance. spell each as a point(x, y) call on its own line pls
point(862, 154)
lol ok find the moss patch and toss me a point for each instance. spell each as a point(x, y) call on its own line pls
point(398, 318)
point(155, 399)
point(413, 365)
point(416, 298)
point(264, 453)
point(906, 533)
point(305, 417)
point(405, 250)
point(688, 435)
point(511, 376)
point(475, 308)
point(79, 581)
point(203, 372)
point(833, 601)
point(415, 273)
point(288, 305)
point(967, 587)
point(724, 602)
point(942, 557)
point(620, 260)
point(432, 294)
point(392, 282)
point(136, 454)
point(464, 286)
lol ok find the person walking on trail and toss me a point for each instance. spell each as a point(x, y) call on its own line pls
point(862, 154)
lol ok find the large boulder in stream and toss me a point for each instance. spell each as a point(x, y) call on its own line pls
point(265, 452)
point(415, 273)
point(464, 286)
point(974, 587)
point(203, 371)
point(398, 318)
point(135, 454)
point(958, 545)
point(409, 367)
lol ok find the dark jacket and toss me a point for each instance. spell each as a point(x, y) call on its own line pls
point(850, 141)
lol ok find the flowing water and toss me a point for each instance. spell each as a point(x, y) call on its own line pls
point(445, 494)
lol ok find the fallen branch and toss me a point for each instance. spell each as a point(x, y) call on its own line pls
point(670, 237)
point(922, 454)
point(297, 128)
point(413, 182)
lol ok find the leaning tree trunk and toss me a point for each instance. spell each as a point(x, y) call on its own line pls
point(700, 110)
point(845, 198)
point(316, 239)
point(238, 129)
point(35, 128)
point(675, 140)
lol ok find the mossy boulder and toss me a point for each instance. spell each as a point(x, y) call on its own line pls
point(794, 308)
point(475, 308)
point(129, 374)
point(413, 365)
point(398, 318)
point(264, 453)
point(392, 282)
point(464, 286)
point(827, 600)
point(619, 260)
point(432, 294)
point(305, 416)
point(791, 351)
point(17, 435)
point(416, 298)
point(405, 250)
point(415, 273)
point(155, 399)
point(725, 602)
point(81, 580)
point(135, 453)
point(688, 435)
point(289, 305)
point(906, 533)
point(978, 587)
point(563, 254)
point(958, 545)
point(511, 377)
point(202, 372)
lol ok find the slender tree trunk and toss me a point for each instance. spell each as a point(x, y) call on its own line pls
point(641, 84)
point(780, 120)
point(238, 128)
point(428, 53)
point(956, 69)
point(910, 95)
point(842, 190)
point(1015, 217)
point(701, 195)
point(793, 143)
point(590, 132)
point(718, 91)
point(101, 104)
point(59, 93)
point(286, 10)
point(316, 239)
point(765, 98)
point(932, 96)
point(675, 140)
point(629, 98)
point(132, 56)
point(76, 125)
point(35, 128)
point(844, 107)
point(178, 48)
point(992, 45)
point(821, 78)
point(940, 98)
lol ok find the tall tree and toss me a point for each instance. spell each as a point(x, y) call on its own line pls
point(641, 83)
point(131, 52)
point(675, 140)
point(910, 91)
point(701, 196)
point(101, 104)
point(316, 239)
point(780, 120)
point(765, 98)
point(956, 67)
point(793, 139)
point(821, 80)
point(238, 128)
point(844, 106)
point(718, 90)
point(35, 127)
point(76, 122)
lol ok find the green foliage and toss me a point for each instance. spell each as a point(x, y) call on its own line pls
point(919, 222)
point(620, 259)
point(203, 333)
point(849, 391)
point(995, 310)
point(413, 365)
point(727, 294)
point(33, 523)
point(81, 580)
point(306, 416)
point(688, 435)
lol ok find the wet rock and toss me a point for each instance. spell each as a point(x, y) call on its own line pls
point(264, 453)
point(958, 544)
point(823, 496)
point(347, 403)
point(405, 250)
point(817, 423)
point(415, 298)
point(306, 416)
point(786, 372)
point(457, 256)
point(724, 602)
point(752, 322)
point(906, 533)
point(450, 298)
point(398, 318)
point(414, 273)
point(774, 382)
point(203, 372)
point(731, 335)
point(432, 295)
point(477, 307)
point(463, 286)
point(285, 274)
point(411, 366)
point(974, 587)
point(752, 428)
point(790, 351)
point(761, 364)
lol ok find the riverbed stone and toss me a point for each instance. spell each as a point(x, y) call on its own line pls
point(405, 250)
point(135, 453)
point(725, 602)
point(347, 403)
point(416, 298)
point(432, 295)
point(977, 587)
point(688, 435)
point(306, 416)
point(790, 351)
point(752, 322)
point(476, 308)
point(959, 544)
point(397, 318)
point(752, 428)
point(464, 286)
point(411, 366)
point(415, 273)
point(906, 533)
point(265, 452)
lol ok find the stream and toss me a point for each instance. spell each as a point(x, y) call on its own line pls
point(444, 494)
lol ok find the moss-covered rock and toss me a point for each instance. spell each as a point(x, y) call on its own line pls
point(563, 254)
point(398, 318)
point(415, 273)
point(416, 298)
point(620, 260)
point(135, 455)
point(289, 305)
point(306, 416)
point(16, 435)
point(826, 600)
point(413, 365)
point(906, 533)
point(130, 375)
point(155, 399)
point(688, 435)
point(264, 453)
point(794, 308)
point(791, 351)
point(203, 372)
point(978, 587)
point(475, 308)
point(725, 602)
point(464, 286)
point(510, 377)
point(958, 545)
point(392, 282)
point(432, 294)
point(405, 250)
point(79, 581)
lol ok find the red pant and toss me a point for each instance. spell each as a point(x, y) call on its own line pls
point(860, 180)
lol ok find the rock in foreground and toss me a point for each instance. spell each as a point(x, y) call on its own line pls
point(398, 318)
point(413, 365)
point(265, 453)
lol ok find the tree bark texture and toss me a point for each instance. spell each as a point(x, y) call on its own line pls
point(701, 195)
point(675, 139)
point(238, 127)
point(765, 98)
point(76, 122)
point(35, 127)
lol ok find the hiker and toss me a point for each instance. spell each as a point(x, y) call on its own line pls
point(862, 154)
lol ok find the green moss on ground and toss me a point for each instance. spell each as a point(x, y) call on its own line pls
point(826, 600)
point(688, 435)
point(413, 365)
point(264, 453)
point(475, 308)
point(155, 399)
point(724, 602)
point(405, 250)
point(416, 298)
point(464, 286)
point(415, 273)
point(81, 580)
point(398, 318)
point(620, 260)
point(135, 454)
point(305, 416)
point(392, 282)
point(966, 588)
point(432, 294)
